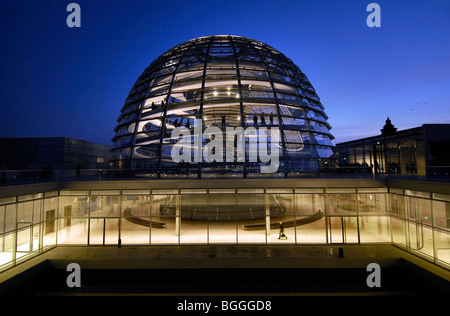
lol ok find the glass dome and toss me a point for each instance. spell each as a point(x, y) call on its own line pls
point(224, 82)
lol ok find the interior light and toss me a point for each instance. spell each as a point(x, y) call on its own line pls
point(215, 93)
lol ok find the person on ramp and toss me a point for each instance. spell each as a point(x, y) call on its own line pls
point(282, 235)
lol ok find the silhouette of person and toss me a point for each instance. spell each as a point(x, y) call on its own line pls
point(255, 120)
point(282, 235)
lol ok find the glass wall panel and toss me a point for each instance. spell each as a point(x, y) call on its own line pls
point(397, 205)
point(2, 219)
point(74, 206)
point(163, 217)
point(36, 237)
point(49, 229)
point(419, 225)
point(399, 227)
point(414, 243)
point(310, 215)
point(419, 210)
point(282, 211)
point(23, 243)
point(8, 217)
point(350, 226)
point(427, 239)
point(371, 203)
point(222, 219)
point(135, 221)
point(194, 220)
point(73, 220)
point(335, 230)
point(374, 229)
point(96, 226)
point(7, 248)
point(342, 204)
point(104, 206)
point(37, 210)
point(24, 214)
point(251, 218)
point(441, 214)
point(111, 231)
point(442, 244)
point(72, 231)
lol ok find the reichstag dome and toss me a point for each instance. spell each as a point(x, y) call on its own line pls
point(222, 82)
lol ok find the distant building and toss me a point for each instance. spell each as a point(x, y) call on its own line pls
point(423, 150)
point(50, 156)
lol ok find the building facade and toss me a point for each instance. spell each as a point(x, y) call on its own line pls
point(423, 150)
point(411, 214)
point(44, 157)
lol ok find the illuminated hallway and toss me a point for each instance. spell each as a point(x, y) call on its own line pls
point(206, 223)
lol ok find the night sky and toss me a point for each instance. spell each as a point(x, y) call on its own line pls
point(72, 82)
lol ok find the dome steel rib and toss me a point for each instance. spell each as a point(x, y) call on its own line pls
point(223, 81)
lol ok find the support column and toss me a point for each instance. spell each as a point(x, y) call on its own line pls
point(177, 216)
point(267, 216)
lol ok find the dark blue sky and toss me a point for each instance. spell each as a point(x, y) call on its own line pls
point(61, 81)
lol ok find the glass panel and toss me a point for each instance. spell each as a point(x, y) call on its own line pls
point(37, 207)
point(374, 229)
point(72, 231)
point(104, 206)
point(251, 218)
point(441, 214)
point(342, 204)
point(49, 237)
point(194, 223)
point(8, 217)
point(351, 229)
point(282, 213)
point(163, 208)
point(74, 206)
point(397, 205)
point(309, 212)
point(6, 248)
point(426, 236)
point(423, 212)
point(50, 225)
point(96, 226)
point(24, 214)
point(398, 231)
point(372, 203)
point(36, 237)
point(135, 227)
point(73, 223)
point(335, 230)
point(442, 244)
point(222, 218)
point(24, 240)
